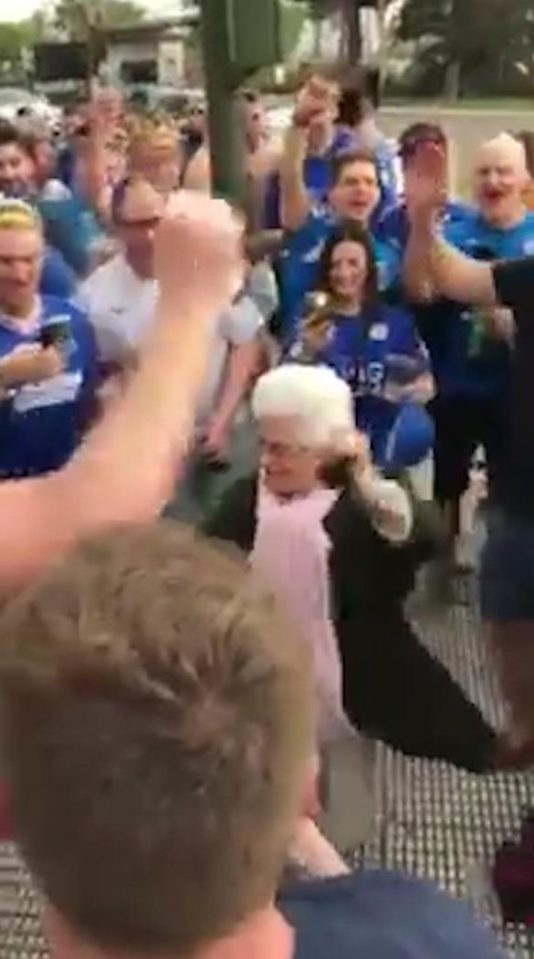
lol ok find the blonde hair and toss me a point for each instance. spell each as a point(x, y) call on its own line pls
point(155, 136)
point(18, 215)
point(157, 725)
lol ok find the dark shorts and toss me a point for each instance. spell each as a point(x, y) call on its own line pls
point(462, 425)
point(507, 573)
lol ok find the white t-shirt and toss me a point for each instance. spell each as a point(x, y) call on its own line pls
point(239, 324)
point(120, 306)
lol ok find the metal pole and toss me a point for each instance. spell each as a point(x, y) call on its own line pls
point(225, 122)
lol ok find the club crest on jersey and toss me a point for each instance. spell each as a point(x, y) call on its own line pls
point(378, 332)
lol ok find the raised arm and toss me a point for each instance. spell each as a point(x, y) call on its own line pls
point(295, 203)
point(433, 267)
point(126, 468)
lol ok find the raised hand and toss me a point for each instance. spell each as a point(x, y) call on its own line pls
point(314, 99)
point(199, 251)
point(426, 181)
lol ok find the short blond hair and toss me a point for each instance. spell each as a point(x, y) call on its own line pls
point(18, 215)
point(157, 722)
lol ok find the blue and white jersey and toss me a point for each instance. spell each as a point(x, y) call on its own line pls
point(317, 173)
point(298, 267)
point(466, 359)
point(366, 351)
point(393, 227)
point(42, 423)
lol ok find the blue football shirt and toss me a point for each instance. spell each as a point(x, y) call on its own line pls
point(364, 350)
point(299, 264)
point(42, 423)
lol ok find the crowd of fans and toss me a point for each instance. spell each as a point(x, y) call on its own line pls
point(313, 388)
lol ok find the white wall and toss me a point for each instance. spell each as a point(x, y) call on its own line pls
point(120, 53)
point(171, 62)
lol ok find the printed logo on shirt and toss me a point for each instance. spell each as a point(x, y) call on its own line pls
point(53, 392)
point(528, 247)
point(378, 332)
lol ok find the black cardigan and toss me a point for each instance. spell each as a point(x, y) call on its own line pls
point(368, 574)
point(393, 689)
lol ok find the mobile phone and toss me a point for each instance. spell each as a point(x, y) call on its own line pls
point(55, 334)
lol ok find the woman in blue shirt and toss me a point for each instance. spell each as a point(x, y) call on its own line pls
point(374, 347)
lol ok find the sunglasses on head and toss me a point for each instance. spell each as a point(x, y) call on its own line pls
point(410, 147)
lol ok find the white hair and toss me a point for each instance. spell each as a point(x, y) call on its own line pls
point(507, 146)
point(314, 397)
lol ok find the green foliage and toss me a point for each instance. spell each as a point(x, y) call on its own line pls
point(489, 43)
point(76, 16)
point(14, 38)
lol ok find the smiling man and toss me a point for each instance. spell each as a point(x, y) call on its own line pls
point(45, 407)
point(471, 347)
point(354, 194)
point(120, 297)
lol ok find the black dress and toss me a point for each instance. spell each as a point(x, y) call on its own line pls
point(393, 689)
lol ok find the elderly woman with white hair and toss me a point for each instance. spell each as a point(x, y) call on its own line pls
point(339, 546)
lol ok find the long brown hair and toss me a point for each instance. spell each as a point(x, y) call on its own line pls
point(318, 321)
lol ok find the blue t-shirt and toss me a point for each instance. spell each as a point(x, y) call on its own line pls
point(393, 226)
point(298, 265)
point(466, 360)
point(66, 165)
point(57, 277)
point(367, 349)
point(318, 177)
point(71, 228)
point(317, 174)
point(41, 424)
point(382, 915)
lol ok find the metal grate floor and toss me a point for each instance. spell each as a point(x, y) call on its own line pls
point(433, 820)
point(441, 823)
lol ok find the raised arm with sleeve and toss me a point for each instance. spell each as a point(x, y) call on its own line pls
point(126, 468)
point(295, 203)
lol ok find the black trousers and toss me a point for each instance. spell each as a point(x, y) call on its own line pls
point(394, 690)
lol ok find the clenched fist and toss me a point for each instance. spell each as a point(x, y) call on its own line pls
point(199, 251)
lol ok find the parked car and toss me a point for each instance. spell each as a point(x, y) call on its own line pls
point(17, 102)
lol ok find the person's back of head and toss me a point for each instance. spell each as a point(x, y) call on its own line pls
point(157, 725)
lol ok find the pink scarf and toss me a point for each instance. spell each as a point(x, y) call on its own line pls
point(290, 555)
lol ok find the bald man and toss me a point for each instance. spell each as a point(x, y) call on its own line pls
point(507, 594)
point(471, 348)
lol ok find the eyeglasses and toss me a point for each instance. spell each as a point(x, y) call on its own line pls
point(410, 146)
point(278, 450)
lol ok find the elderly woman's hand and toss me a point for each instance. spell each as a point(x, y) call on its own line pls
point(355, 447)
point(387, 502)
